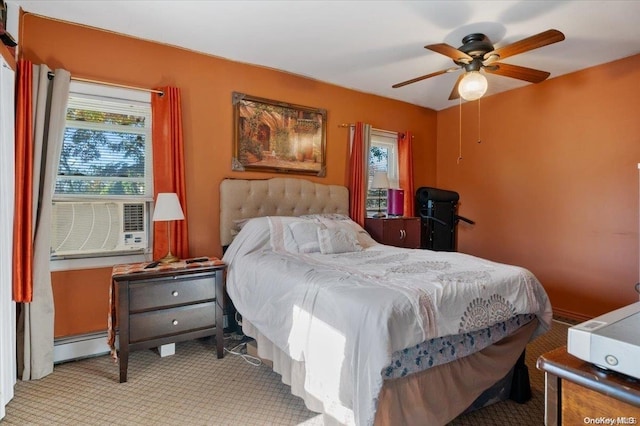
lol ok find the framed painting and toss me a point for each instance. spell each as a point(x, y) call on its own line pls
point(278, 137)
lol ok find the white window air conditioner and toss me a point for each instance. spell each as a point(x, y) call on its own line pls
point(109, 227)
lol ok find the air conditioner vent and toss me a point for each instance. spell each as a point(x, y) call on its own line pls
point(133, 215)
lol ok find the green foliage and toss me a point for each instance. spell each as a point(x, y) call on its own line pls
point(76, 114)
point(377, 155)
point(98, 161)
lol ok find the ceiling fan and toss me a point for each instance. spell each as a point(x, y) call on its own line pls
point(478, 53)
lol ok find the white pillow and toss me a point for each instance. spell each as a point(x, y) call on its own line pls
point(364, 239)
point(305, 234)
point(327, 216)
point(280, 234)
point(337, 240)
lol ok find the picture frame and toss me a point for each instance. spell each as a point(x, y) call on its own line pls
point(273, 136)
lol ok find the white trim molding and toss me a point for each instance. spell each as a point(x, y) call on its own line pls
point(83, 346)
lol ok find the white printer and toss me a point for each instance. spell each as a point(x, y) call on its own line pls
point(610, 341)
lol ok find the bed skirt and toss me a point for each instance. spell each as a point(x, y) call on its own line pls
point(434, 396)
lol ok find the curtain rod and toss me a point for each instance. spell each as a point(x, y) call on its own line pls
point(124, 86)
point(377, 130)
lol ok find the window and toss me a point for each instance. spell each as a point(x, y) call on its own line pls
point(104, 185)
point(383, 156)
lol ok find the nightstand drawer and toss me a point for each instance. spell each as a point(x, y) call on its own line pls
point(157, 293)
point(166, 322)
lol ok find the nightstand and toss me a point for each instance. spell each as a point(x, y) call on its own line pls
point(395, 231)
point(578, 392)
point(167, 304)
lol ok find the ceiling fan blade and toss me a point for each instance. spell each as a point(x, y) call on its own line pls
point(516, 71)
point(451, 52)
point(454, 92)
point(539, 40)
point(424, 77)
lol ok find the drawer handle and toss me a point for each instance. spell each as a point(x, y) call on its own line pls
point(174, 293)
point(174, 322)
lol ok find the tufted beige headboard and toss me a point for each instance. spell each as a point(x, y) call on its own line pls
point(241, 198)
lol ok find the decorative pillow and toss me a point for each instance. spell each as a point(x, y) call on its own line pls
point(280, 233)
point(364, 239)
point(305, 234)
point(337, 240)
point(327, 216)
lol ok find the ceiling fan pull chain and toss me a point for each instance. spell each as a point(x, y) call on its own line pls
point(479, 140)
point(460, 132)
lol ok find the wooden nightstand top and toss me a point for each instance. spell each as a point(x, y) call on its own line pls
point(182, 265)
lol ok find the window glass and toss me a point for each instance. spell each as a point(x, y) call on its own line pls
point(383, 157)
point(105, 149)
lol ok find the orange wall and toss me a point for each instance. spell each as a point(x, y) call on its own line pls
point(206, 84)
point(81, 301)
point(553, 184)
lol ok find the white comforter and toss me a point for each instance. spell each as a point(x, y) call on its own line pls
point(345, 314)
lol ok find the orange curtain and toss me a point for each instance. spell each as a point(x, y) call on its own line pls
point(168, 168)
point(357, 182)
point(405, 164)
point(22, 223)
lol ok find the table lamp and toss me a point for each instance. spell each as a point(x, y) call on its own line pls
point(380, 181)
point(168, 208)
point(395, 202)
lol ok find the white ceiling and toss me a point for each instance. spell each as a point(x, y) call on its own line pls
point(369, 45)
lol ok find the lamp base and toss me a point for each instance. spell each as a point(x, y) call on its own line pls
point(379, 215)
point(169, 258)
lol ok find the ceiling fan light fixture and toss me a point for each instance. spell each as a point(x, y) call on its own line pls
point(472, 86)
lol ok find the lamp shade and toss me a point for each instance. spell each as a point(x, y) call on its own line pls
point(472, 86)
point(395, 202)
point(380, 180)
point(167, 207)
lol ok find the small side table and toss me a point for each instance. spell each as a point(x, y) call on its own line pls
point(577, 392)
point(166, 304)
point(395, 231)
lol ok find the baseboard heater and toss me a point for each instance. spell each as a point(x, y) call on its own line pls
point(88, 345)
point(82, 346)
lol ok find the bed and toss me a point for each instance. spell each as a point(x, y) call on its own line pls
point(367, 333)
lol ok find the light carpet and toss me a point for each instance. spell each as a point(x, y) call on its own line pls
point(193, 387)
